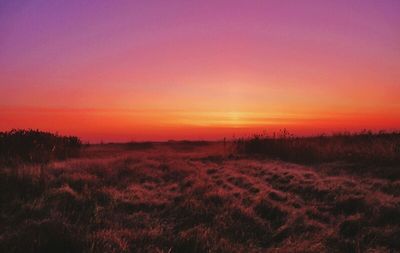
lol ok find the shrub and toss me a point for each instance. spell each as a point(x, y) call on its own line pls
point(379, 148)
point(36, 147)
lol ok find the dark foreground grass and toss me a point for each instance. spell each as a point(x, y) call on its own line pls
point(161, 198)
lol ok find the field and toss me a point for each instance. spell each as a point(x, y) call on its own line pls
point(197, 197)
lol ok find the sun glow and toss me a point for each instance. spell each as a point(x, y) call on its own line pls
point(129, 71)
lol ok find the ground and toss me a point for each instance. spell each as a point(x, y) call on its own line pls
point(195, 197)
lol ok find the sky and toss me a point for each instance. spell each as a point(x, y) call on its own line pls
point(160, 70)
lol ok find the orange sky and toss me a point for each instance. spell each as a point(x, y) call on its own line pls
point(205, 70)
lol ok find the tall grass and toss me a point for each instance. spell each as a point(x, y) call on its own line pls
point(363, 147)
point(35, 147)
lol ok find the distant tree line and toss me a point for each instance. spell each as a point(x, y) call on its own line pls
point(34, 147)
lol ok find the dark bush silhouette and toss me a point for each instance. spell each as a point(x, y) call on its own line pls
point(377, 148)
point(36, 147)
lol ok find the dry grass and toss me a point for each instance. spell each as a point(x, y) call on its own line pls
point(367, 149)
point(178, 197)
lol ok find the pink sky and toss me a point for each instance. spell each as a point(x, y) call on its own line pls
point(156, 70)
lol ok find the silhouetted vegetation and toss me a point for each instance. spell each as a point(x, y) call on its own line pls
point(36, 147)
point(138, 145)
point(363, 147)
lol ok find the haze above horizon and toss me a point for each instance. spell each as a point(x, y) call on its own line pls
point(159, 70)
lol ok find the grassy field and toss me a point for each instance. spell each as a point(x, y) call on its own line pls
point(199, 197)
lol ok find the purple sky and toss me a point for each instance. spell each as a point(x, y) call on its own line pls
point(198, 64)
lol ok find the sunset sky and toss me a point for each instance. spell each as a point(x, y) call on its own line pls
point(159, 70)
